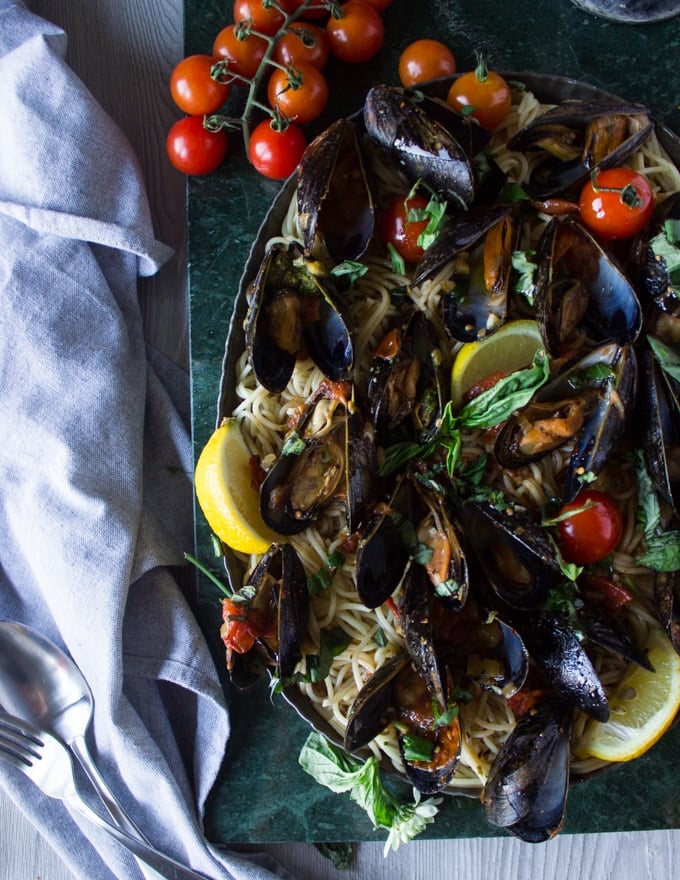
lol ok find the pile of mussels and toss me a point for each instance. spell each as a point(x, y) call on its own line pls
point(595, 305)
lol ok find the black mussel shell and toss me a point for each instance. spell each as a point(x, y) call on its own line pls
point(513, 551)
point(667, 601)
point(526, 791)
point(500, 662)
point(659, 413)
point(557, 651)
point(651, 267)
point(334, 199)
point(419, 144)
point(416, 617)
point(609, 632)
point(580, 288)
point(373, 707)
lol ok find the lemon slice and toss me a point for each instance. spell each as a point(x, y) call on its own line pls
point(226, 494)
point(641, 709)
point(510, 348)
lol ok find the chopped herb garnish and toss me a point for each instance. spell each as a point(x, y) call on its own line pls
point(525, 284)
point(417, 748)
point(396, 260)
point(293, 444)
point(322, 579)
point(351, 269)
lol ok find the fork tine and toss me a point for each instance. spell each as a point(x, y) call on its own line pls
point(19, 727)
point(13, 756)
point(20, 738)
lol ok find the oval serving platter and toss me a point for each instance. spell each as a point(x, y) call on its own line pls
point(550, 89)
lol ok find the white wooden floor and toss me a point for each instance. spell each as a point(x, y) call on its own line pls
point(124, 51)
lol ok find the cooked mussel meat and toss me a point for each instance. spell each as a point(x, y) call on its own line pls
point(334, 199)
point(405, 386)
point(265, 624)
point(588, 403)
point(312, 468)
point(293, 311)
point(526, 791)
point(420, 145)
point(581, 291)
point(576, 136)
point(429, 745)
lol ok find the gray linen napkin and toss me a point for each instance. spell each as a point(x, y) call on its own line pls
point(95, 464)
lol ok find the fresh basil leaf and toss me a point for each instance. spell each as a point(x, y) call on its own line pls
point(509, 394)
point(526, 271)
point(321, 580)
point(329, 765)
point(668, 358)
point(332, 643)
point(668, 251)
point(671, 228)
point(351, 269)
point(663, 552)
point(649, 512)
point(397, 456)
point(396, 260)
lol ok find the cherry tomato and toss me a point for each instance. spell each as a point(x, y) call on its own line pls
point(266, 20)
point(612, 594)
point(358, 35)
point(482, 93)
point(396, 228)
point(193, 149)
point(424, 60)
point(293, 47)
point(617, 204)
point(300, 103)
point(276, 154)
point(192, 87)
point(593, 533)
point(237, 633)
point(244, 56)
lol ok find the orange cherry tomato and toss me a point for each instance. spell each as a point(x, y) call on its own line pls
point(483, 94)
point(616, 203)
point(423, 60)
point(305, 43)
point(193, 89)
point(302, 102)
point(357, 36)
point(243, 56)
point(266, 20)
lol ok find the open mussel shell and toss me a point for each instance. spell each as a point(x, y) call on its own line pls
point(280, 585)
point(526, 791)
point(312, 468)
point(420, 145)
point(651, 267)
point(667, 601)
point(581, 289)
point(497, 658)
point(293, 311)
point(514, 553)
point(334, 198)
point(659, 413)
point(575, 137)
point(396, 693)
point(416, 617)
point(406, 385)
point(588, 403)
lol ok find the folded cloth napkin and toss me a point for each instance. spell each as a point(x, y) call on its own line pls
point(95, 489)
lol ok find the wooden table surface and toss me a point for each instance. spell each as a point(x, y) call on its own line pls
point(124, 51)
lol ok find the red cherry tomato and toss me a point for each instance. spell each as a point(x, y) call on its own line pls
point(358, 35)
point(193, 88)
point(276, 154)
point(482, 93)
point(423, 60)
point(243, 56)
point(593, 533)
point(300, 103)
point(294, 46)
point(617, 203)
point(610, 593)
point(401, 232)
point(266, 20)
point(193, 149)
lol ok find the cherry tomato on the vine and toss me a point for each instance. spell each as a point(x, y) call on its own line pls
point(192, 87)
point(303, 42)
point(267, 20)
point(482, 93)
point(298, 100)
point(616, 203)
point(314, 11)
point(593, 532)
point(194, 149)
point(243, 56)
point(357, 36)
point(276, 154)
point(397, 229)
point(423, 60)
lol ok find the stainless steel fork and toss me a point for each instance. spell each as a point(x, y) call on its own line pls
point(47, 762)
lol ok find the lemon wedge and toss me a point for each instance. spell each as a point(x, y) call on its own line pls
point(226, 493)
point(640, 710)
point(512, 347)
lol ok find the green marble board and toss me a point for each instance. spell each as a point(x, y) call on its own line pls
point(262, 795)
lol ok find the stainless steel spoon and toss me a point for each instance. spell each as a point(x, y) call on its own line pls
point(40, 683)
